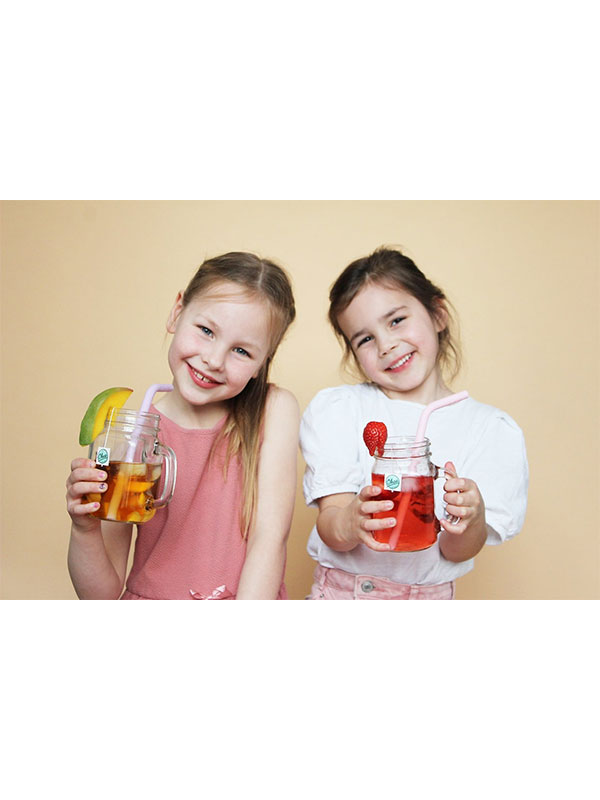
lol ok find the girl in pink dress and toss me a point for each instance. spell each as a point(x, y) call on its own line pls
point(224, 533)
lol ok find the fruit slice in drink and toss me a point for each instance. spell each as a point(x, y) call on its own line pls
point(130, 493)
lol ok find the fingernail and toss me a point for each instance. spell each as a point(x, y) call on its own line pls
point(102, 475)
point(102, 487)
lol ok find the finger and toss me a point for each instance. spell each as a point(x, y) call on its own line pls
point(459, 498)
point(82, 462)
point(458, 512)
point(81, 509)
point(367, 538)
point(457, 485)
point(369, 491)
point(376, 507)
point(85, 474)
point(80, 489)
point(378, 524)
point(453, 527)
point(450, 469)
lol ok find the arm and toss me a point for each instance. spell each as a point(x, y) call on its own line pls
point(265, 555)
point(463, 540)
point(344, 520)
point(98, 552)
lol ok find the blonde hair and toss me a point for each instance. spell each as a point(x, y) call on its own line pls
point(265, 280)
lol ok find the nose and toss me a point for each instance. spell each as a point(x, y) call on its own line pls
point(386, 345)
point(214, 358)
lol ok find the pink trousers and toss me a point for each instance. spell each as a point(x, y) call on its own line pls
point(335, 584)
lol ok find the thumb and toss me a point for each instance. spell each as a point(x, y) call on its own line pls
point(450, 469)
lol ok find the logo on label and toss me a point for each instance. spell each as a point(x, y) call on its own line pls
point(103, 456)
point(392, 482)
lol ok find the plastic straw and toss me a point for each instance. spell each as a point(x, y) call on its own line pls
point(146, 403)
point(444, 401)
point(420, 435)
point(151, 391)
point(144, 408)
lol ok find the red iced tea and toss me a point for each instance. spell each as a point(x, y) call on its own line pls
point(420, 526)
point(130, 493)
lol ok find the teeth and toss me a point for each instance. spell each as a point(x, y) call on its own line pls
point(201, 377)
point(400, 362)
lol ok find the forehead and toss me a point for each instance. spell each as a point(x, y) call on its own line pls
point(371, 302)
point(234, 308)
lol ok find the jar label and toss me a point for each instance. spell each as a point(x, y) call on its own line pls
point(103, 456)
point(392, 482)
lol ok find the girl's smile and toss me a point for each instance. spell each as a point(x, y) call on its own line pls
point(202, 379)
point(395, 342)
point(221, 340)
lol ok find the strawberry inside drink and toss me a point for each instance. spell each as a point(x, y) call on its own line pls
point(419, 526)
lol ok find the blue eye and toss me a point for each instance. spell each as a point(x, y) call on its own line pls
point(241, 351)
point(364, 340)
point(205, 330)
point(397, 320)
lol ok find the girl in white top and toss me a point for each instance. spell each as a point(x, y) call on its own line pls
point(396, 326)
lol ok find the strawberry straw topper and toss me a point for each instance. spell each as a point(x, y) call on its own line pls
point(375, 436)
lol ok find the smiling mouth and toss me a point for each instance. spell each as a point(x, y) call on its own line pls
point(401, 362)
point(201, 379)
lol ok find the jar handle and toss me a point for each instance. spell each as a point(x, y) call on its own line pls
point(440, 473)
point(169, 472)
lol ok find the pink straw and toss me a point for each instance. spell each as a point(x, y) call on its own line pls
point(151, 391)
point(144, 408)
point(420, 435)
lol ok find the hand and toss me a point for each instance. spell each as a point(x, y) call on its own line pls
point(360, 522)
point(464, 503)
point(84, 478)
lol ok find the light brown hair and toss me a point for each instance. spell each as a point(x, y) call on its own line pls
point(265, 280)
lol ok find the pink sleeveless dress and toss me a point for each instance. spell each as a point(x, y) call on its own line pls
point(192, 548)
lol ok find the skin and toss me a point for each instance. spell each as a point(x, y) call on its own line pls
point(224, 336)
point(395, 342)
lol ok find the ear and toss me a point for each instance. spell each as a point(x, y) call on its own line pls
point(440, 316)
point(174, 313)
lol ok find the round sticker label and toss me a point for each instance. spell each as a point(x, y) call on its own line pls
point(103, 456)
point(392, 482)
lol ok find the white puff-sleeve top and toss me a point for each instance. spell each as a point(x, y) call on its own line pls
point(484, 443)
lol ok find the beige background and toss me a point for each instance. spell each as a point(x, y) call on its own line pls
point(86, 288)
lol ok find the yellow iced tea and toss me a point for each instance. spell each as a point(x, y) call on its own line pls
point(130, 493)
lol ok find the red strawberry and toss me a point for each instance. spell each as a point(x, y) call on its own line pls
point(374, 436)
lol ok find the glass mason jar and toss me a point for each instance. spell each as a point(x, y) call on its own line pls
point(134, 460)
point(405, 473)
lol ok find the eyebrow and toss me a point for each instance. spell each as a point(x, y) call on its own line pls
point(247, 344)
point(387, 315)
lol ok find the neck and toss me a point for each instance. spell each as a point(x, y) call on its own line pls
point(186, 415)
point(426, 393)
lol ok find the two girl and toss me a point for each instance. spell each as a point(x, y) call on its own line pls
point(235, 436)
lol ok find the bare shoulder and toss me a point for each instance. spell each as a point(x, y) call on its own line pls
point(282, 419)
point(282, 403)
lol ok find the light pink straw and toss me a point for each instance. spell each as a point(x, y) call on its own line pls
point(151, 391)
point(420, 435)
point(144, 408)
